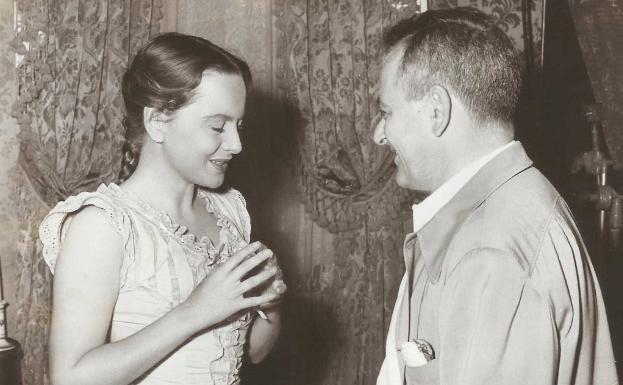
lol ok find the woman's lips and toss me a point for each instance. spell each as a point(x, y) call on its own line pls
point(220, 164)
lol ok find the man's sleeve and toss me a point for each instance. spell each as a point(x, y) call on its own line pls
point(494, 326)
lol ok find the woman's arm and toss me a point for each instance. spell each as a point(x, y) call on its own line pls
point(264, 334)
point(86, 286)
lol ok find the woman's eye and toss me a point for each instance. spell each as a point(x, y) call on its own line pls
point(216, 124)
point(218, 129)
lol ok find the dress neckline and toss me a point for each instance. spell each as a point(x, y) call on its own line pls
point(179, 231)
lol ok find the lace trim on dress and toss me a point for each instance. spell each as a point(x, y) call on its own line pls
point(225, 367)
point(233, 237)
point(230, 239)
point(162, 219)
point(200, 255)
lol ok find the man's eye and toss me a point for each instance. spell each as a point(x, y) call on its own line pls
point(240, 125)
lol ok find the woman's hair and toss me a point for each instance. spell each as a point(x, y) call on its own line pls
point(163, 75)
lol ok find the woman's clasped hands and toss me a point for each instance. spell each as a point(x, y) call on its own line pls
point(221, 294)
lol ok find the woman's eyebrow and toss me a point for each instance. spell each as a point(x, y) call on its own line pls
point(219, 116)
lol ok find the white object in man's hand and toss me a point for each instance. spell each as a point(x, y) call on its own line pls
point(416, 353)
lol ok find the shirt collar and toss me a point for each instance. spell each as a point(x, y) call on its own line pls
point(425, 210)
point(481, 181)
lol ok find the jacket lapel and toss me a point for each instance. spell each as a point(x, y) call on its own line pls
point(404, 312)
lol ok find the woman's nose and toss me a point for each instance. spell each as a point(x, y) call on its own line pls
point(232, 141)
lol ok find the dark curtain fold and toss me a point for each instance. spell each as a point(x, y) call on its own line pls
point(599, 28)
point(71, 56)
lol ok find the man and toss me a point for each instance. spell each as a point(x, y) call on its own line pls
point(498, 287)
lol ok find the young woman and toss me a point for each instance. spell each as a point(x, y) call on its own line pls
point(155, 281)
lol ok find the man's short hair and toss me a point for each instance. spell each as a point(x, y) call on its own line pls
point(463, 50)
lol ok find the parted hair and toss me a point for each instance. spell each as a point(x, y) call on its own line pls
point(463, 50)
point(164, 75)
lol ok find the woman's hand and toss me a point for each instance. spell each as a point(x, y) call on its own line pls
point(221, 293)
point(275, 285)
point(264, 332)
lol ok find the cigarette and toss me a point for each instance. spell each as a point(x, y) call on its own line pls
point(262, 315)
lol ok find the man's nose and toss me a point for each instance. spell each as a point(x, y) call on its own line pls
point(379, 133)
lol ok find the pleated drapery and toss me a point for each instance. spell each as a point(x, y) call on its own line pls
point(71, 55)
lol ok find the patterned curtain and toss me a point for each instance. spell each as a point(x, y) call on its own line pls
point(329, 56)
point(70, 58)
point(326, 64)
point(522, 20)
point(599, 26)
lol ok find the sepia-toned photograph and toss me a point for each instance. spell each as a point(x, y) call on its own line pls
point(311, 192)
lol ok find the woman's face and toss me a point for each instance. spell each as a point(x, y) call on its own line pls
point(202, 137)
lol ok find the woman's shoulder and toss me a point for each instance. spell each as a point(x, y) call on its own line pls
point(104, 195)
point(97, 210)
point(104, 198)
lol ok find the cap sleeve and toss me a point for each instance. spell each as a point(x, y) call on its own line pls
point(232, 204)
point(52, 231)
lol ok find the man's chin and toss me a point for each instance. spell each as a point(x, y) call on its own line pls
point(410, 184)
point(403, 181)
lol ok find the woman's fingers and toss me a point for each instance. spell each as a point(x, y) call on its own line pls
point(241, 255)
point(254, 281)
point(255, 302)
point(250, 263)
point(271, 304)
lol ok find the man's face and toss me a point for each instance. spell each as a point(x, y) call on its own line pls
point(405, 127)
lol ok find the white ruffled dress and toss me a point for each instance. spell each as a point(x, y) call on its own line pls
point(162, 264)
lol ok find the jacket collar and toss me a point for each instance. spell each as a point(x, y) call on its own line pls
point(434, 238)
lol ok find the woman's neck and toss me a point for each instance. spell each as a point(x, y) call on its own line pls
point(160, 186)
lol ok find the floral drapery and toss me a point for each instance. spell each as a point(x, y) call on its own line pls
point(599, 26)
point(522, 20)
point(71, 55)
point(328, 60)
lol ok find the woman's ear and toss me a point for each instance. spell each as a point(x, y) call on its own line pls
point(441, 109)
point(154, 124)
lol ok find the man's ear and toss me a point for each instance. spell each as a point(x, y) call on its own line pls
point(441, 109)
point(154, 124)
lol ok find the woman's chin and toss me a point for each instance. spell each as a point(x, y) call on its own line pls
point(212, 182)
